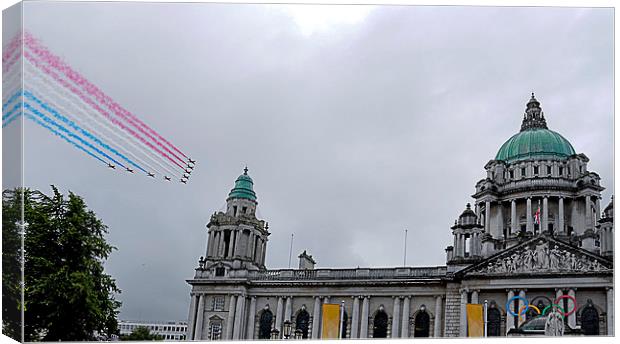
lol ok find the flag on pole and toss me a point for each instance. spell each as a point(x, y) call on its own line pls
point(475, 320)
point(537, 216)
point(331, 321)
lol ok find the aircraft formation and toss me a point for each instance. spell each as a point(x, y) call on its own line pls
point(61, 100)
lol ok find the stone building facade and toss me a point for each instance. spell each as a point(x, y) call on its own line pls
point(535, 230)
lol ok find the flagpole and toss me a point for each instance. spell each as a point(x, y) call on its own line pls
point(341, 319)
point(405, 253)
point(486, 306)
point(290, 252)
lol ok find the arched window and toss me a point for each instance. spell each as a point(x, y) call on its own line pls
point(380, 324)
point(215, 329)
point(589, 319)
point(540, 303)
point(301, 322)
point(421, 323)
point(494, 318)
point(266, 319)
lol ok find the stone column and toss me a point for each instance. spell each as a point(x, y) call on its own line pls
point(316, 317)
point(191, 319)
point(288, 309)
point(232, 251)
point(597, 207)
point(219, 239)
point(477, 212)
point(249, 335)
point(610, 311)
point(438, 316)
point(545, 215)
point(279, 312)
point(588, 213)
point(530, 224)
point(472, 248)
point(510, 322)
point(200, 317)
point(239, 317)
point(463, 318)
point(396, 317)
point(521, 319)
point(558, 293)
point(514, 221)
point(404, 326)
point(355, 317)
point(455, 251)
point(231, 317)
point(487, 217)
point(364, 319)
point(572, 319)
point(209, 245)
point(474, 296)
point(561, 229)
point(500, 221)
point(462, 244)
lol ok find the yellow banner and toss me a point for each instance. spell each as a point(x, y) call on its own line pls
point(331, 321)
point(475, 320)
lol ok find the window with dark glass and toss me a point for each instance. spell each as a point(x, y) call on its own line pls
point(422, 324)
point(548, 170)
point(536, 170)
point(522, 171)
point(264, 329)
point(380, 325)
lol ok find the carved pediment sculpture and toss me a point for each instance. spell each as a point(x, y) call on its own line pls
point(541, 256)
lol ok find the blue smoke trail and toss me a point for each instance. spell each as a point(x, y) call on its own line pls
point(8, 115)
point(52, 122)
point(36, 120)
point(10, 100)
point(4, 124)
point(67, 121)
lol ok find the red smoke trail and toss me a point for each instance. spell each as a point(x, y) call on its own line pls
point(11, 47)
point(94, 105)
point(57, 63)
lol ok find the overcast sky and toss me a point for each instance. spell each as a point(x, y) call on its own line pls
point(355, 122)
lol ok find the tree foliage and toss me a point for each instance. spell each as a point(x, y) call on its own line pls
point(141, 333)
point(67, 295)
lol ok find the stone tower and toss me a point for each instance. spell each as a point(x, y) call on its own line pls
point(237, 240)
point(468, 234)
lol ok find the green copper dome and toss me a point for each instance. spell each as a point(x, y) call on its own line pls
point(535, 144)
point(535, 140)
point(244, 187)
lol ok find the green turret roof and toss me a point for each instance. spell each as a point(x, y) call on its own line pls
point(535, 140)
point(244, 187)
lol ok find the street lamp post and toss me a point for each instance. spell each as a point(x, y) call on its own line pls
point(275, 334)
point(286, 329)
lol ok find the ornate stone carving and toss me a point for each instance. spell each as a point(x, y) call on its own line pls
point(538, 257)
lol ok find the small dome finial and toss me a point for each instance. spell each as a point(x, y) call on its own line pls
point(468, 206)
point(245, 170)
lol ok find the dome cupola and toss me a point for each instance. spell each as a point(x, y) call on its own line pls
point(535, 140)
point(244, 187)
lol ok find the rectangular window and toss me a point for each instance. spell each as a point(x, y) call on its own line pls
point(535, 170)
point(561, 171)
point(218, 303)
point(512, 174)
point(523, 172)
point(549, 170)
point(245, 210)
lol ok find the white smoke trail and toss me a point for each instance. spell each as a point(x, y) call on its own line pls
point(103, 119)
point(74, 105)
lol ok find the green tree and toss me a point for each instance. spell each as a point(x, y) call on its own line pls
point(67, 295)
point(141, 333)
point(11, 267)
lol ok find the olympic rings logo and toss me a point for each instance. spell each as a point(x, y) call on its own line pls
point(555, 307)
